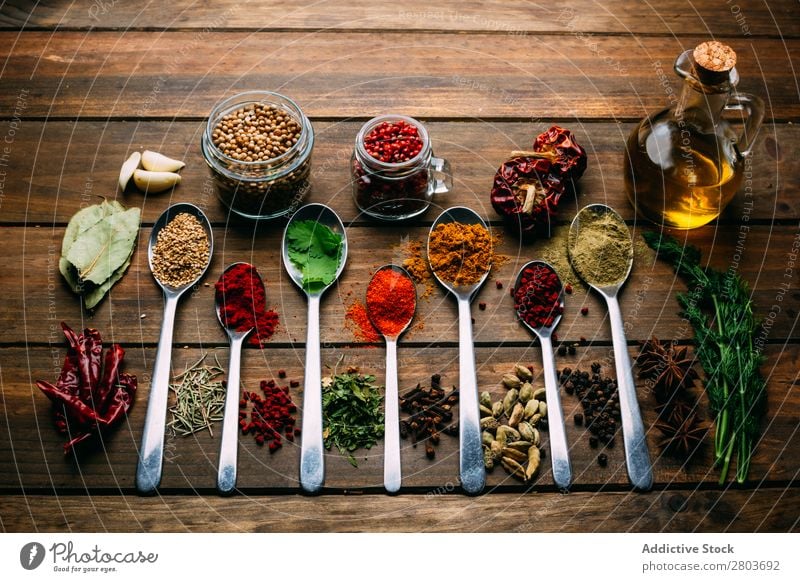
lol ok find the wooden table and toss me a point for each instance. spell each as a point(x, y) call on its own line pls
point(86, 83)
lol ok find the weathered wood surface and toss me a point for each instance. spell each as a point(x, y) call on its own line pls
point(170, 75)
point(671, 17)
point(31, 457)
point(39, 298)
point(56, 167)
point(763, 510)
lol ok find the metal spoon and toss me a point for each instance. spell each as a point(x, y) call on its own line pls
point(312, 467)
point(151, 453)
point(392, 473)
point(637, 457)
point(559, 449)
point(228, 449)
point(472, 471)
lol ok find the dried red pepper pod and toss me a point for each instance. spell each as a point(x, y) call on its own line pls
point(570, 158)
point(529, 185)
point(86, 397)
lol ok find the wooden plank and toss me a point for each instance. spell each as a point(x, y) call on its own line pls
point(343, 74)
point(56, 167)
point(748, 511)
point(31, 456)
point(748, 17)
point(35, 289)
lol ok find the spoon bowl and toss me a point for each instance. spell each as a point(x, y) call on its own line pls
point(471, 467)
point(559, 448)
point(151, 453)
point(637, 456)
point(392, 471)
point(312, 464)
point(326, 217)
point(226, 472)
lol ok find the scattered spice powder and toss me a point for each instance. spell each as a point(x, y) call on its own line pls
point(417, 266)
point(240, 291)
point(460, 254)
point(600, 248)
point(358, 322)
point(537, 298)
point(391, 301)
point(181, 252)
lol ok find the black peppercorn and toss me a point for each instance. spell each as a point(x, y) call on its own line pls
point(602, 459)
point(593, 442)
point(562, 350)
point(578, 418)
point(571, 349)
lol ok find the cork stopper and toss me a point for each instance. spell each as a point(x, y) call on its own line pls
point(713, 61)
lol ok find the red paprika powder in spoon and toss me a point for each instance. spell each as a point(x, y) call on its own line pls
point(240, 291)
point(391, 301)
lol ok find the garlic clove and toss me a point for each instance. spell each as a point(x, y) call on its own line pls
point(154, 182)
point(156, 162)
point(128, 168)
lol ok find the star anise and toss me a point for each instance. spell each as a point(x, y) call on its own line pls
point(684, 438)
point(667, 366)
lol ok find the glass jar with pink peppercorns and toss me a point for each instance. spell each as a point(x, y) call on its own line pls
point(395, 173)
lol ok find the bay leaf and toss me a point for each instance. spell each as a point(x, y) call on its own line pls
point(95, 295)
point(104, 247)
point(85, 219)
point(70, 274)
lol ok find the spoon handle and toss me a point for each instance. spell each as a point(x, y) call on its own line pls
point(559, 449)
point(151, 453)
point(392, 473)
point(312, 467)
point(640, 471)
point(472, 471)
point(228, 449)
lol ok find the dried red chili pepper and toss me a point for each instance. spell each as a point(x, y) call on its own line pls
point(529, 185)
point(536, 298)
point(86, 401)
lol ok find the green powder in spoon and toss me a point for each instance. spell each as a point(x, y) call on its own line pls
point(600, 249)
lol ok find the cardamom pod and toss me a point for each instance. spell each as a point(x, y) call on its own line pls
point(540, 394)
point(521, 446)
point(508, 432)
point(536, 438)
point(485, 400)
point(489, 423)
point(531, 408)
point(501, 438)
point(523, 373)
point(513, 467)
point(497, 450)
point(511, 381)
point(526, 392)
point(488, 459)
point(543, 409)
point(487, 438)
point(485, 411)
point(535, 418)
point(526, 431)
point(518, 456)
point(516, 415)
point(497, 409)
point(510, 400)
point(534, 458)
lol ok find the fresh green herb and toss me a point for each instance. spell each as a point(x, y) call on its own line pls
point(316, 251)
point(199, 398)
point(351, 410)
point(97, 249)
point(720, 310)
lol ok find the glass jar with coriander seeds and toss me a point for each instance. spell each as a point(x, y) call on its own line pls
point(258, 145)
point(394, 171)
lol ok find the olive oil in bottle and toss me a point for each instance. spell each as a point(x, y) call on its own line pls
point(684, 164)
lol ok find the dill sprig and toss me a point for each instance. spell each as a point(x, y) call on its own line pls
point(719, 308)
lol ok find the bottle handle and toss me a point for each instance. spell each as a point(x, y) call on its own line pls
point(753, 106)
point(442, 176)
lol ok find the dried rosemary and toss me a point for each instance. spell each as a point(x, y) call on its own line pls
point(199, 398)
